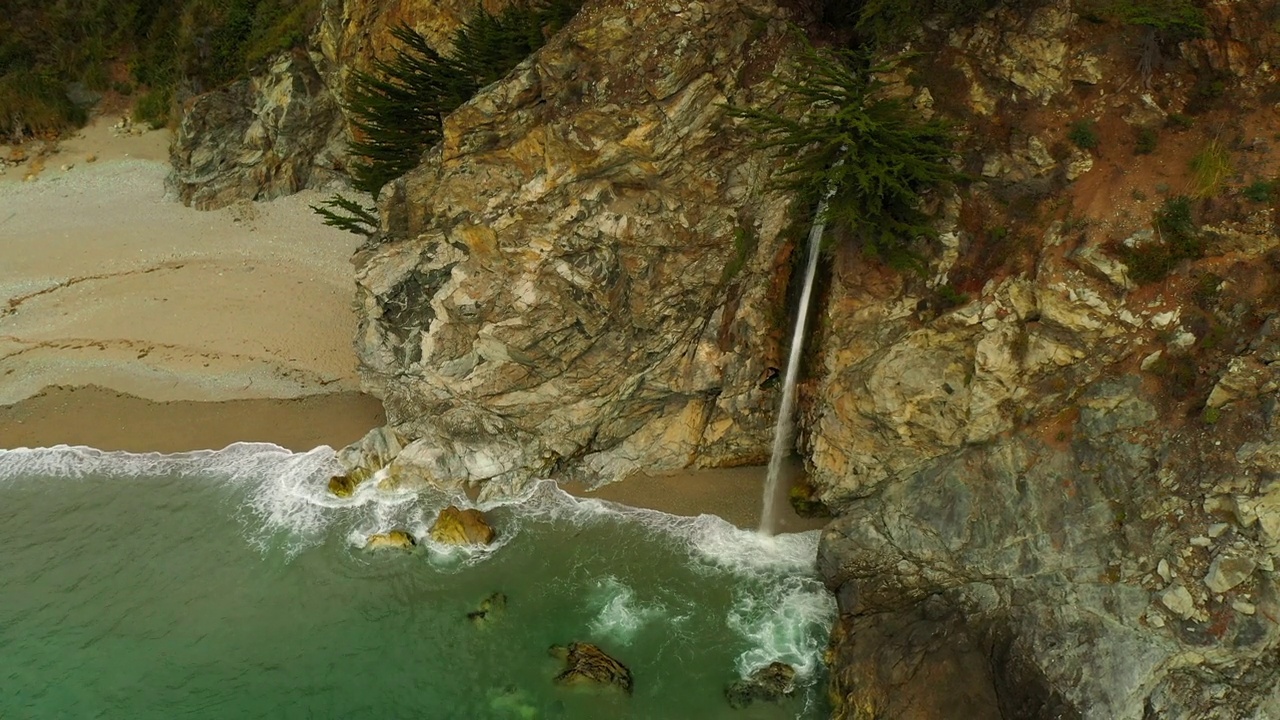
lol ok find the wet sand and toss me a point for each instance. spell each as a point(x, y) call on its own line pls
point(109, 420)
point(735, 494)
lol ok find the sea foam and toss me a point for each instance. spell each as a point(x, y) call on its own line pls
point(782, 615)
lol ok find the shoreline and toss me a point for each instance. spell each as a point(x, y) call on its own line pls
point(113, 421)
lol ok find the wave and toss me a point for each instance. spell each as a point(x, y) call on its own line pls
point(783, 614)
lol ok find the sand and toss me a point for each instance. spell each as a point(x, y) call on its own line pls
point(106, 282)
point(131, 322)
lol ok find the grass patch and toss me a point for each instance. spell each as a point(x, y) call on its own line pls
point(1210, 169)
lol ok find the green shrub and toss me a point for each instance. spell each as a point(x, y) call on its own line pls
point(880, 22)
point(1261, 190)
point(33, 103)
point(154, 107)
point(1210, 169)
point(1178, 121)
point(1179, 239)
point(1173, 20)
point(1084, 134)
point(874, 156)
point(1146, 142)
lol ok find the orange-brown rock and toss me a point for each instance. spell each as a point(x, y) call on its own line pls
point(454, 526)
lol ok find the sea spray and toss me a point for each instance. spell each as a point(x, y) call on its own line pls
point(784, 430)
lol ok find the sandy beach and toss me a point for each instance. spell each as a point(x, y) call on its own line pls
point(105, 282)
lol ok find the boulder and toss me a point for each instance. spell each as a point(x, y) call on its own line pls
point(397, 539)
point(342, 485)
point(259, 138)
point(586, 663)
point(771, 683)
point(454, 526)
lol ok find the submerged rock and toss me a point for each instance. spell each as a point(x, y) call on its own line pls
point(586, 663)
point(454, 526)
point(490, 607)
point(398, 539)
point(771, 683)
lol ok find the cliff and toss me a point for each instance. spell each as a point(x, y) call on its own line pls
point(1053, 452)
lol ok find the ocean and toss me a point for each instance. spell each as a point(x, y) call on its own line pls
point(230, 584)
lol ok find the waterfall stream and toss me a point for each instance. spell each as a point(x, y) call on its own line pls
point(784, 430)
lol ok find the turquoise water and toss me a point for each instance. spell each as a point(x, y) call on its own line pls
point(230, 585)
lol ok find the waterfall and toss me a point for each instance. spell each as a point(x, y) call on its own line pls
point(784, 431)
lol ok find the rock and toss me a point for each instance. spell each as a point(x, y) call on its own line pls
point(1179, 602)
point(396, 539)
point(771, 683)
point(371, 453)
point(1227, 571)
point(555, 292)
point(342, 485)
point(256, 139)
point(461, 527)
point(489, 609)
point(586, 663)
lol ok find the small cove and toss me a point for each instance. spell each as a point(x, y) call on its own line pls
point(229, 584)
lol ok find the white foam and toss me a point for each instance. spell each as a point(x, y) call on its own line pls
point(785, 621)
point(783, 612)
point(620, 616)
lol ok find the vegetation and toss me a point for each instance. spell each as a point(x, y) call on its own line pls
point(1165, 22)
point(879, 22)
point(161, 44)
point(1179, 239)
point(398, 109)
point(1171, 20)
point(1147, 140)
point(1262, 190)
point(1084, 134)
point(1210, 169)
point(873, 157)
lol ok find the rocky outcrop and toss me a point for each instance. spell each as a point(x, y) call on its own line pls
point(394, 539)
point(262, 137)
point(282, 129)
point(586, 663)
point(583, 278)
point(771, 683)
point(461, 527)
point(1056, 500)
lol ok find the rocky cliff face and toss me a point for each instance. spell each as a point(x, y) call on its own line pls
point(583, 278)
point(282, 129)
point(1061, 498)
